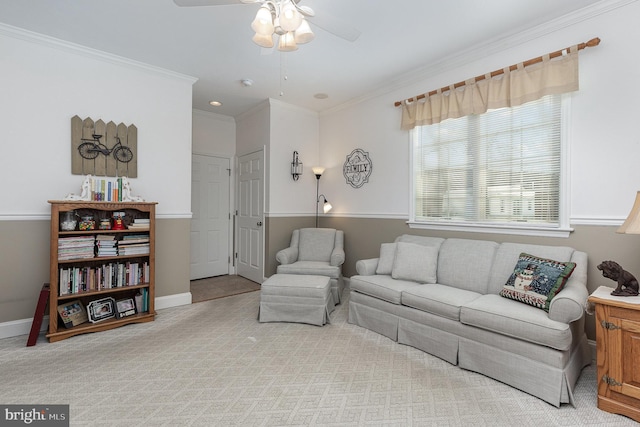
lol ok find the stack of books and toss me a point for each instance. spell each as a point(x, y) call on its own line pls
point(139, 224)
point(134, 244)
point(106, 245)
point(76, 247)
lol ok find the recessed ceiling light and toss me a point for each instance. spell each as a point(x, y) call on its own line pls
point(215, 103)
point(320, 96)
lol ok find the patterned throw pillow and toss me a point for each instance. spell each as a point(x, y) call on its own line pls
point(535, 281)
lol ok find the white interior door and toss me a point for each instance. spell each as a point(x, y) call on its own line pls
point(250, 243)
point(211, 210)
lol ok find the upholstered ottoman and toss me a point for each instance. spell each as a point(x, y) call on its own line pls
point(296, 298)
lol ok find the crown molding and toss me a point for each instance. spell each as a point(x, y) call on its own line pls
point(482, 50)
point(210, 115)
point(52, 42)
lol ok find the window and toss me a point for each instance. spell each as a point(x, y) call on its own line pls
point(501, 169)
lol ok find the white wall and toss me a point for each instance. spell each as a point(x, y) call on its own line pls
point(292, 129)
point(45, 82)
point(214, 134)
point(604, 146)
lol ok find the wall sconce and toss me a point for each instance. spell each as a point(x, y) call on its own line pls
point(326, 206)
point(296, 167)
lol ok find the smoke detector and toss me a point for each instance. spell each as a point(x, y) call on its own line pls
point(246, 82)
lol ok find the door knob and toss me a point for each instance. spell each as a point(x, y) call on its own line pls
point(259, 224)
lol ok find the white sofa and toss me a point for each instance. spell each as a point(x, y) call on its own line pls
point(460, 316)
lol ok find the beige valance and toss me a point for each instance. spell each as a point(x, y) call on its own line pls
point(512, 86)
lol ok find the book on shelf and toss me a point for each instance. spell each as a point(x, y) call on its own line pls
point(75, 280)
point(106, 245)
point(76, 247)
point(139, 224)
point(134, 249)
point(106, 189)
point(134, 239)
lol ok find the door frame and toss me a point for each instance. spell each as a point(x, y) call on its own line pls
point(232, 202)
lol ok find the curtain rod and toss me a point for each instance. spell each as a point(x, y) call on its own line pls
point(591, 43)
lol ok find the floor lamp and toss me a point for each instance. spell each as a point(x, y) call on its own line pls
point(326, 206)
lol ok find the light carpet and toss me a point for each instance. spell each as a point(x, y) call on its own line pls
point(213, 364)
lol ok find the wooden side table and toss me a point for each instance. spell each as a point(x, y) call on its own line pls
point(617, 352)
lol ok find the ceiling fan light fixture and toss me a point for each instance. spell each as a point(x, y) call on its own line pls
point(290, 18)
point(287, 42)
point(304, 34)
point(263, 22)
point(263, 40)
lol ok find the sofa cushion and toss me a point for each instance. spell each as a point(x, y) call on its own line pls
point(414, 262)
point(381, 286)
point(387, 256)
point(508, 317)
point(420, 240)
point(318, 268)
point(466, 264)
point(508, 253)
point(535, 281)
point(438, 299)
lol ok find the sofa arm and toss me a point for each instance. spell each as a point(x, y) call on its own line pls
point(287, 256)
point(367, 267)
point(569, 304)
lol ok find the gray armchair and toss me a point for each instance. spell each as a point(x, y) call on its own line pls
point(315, 251)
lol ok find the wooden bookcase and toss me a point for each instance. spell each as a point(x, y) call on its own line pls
point(617, 354)
point(133, 210)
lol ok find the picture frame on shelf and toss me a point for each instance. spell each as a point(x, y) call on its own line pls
point(125, 307)
point(101, 309)
point(72, 313)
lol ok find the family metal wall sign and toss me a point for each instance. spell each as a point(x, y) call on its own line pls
point(357, 168)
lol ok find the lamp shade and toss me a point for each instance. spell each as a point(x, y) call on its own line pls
point(318, 170)
point(304, 34)
point(290, 18)
point(632, 224)
point(263, 40)
point(287, 43)
point(263, 23)
point(327, 206)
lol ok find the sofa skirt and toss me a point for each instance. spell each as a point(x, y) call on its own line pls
point(546, 373)
point(551, 384)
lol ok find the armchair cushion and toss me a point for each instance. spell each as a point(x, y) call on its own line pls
point(316, 244)
point(315, 268)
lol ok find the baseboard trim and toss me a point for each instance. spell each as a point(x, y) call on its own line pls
point(16, 328)
point(175, 300)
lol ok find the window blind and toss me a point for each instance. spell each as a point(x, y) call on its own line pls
point(500, 167)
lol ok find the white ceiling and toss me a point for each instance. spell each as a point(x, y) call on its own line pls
point(214, 44)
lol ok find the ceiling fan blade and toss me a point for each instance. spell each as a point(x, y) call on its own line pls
point(335, 26)
point(195, 3)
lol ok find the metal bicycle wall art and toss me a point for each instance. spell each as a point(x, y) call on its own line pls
point(103, 149)
point(90, 149)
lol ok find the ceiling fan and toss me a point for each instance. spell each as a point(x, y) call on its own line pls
point(285, 19)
